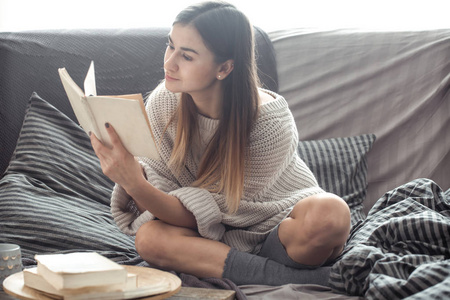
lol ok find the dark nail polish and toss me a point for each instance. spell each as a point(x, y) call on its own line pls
point(107, 125)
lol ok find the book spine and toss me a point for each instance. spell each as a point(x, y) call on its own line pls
point(94, 128)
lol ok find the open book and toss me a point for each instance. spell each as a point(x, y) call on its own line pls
point(126, 113)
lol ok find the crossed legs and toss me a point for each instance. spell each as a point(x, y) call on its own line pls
point(180, 249)
point(314, 233)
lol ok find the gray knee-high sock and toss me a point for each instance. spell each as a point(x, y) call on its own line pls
point(245, 268)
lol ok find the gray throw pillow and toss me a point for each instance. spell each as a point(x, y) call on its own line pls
point(340, 166)
point(54, 196)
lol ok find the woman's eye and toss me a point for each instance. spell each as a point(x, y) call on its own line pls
point(186, 57)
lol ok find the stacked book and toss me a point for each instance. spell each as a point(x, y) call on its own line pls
point(86, 275)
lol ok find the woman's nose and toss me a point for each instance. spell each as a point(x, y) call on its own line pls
point(170, 62)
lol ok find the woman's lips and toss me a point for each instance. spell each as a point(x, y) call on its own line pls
point(170, 78)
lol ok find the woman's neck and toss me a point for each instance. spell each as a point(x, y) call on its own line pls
point(209, 104)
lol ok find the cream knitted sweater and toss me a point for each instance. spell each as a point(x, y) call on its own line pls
point(275, 180)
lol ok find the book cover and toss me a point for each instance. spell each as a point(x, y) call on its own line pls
point(79, 270)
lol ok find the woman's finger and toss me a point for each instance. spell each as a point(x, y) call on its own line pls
point(97, 145)
point(113, 136)
point(94, 141)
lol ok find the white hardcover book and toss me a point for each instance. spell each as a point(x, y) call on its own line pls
point(35, 281)
point(79, 270)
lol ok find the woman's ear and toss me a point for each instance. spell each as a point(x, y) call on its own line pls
point(225, 69)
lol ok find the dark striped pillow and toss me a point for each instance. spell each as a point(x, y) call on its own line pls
point(340, 167)
point(54, 196)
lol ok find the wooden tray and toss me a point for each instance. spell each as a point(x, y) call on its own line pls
point(14, 284)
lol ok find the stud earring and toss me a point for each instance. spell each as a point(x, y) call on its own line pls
point(219, 77)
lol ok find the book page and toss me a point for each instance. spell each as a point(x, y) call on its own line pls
point(129, 119)
point(78, 102)
point(137, 97)
point(90, 88)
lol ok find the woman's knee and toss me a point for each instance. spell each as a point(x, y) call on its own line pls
point(159, 243)
point(328, 217)
point(316, 230)
point(323, 211)
point(150, 243)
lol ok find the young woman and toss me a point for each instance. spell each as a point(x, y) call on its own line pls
point(229, 197)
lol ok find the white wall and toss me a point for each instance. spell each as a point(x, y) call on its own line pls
point(270, 15)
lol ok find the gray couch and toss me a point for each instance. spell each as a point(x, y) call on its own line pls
point(393, 84)
point(372, 111)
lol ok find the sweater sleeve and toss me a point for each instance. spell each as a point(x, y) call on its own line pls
point(206, 211)
point(199, 202)
point(125, 213)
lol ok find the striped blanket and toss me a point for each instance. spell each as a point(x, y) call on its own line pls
point(402, 249)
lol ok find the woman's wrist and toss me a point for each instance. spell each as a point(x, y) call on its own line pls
point(138, 187)
point(136, 191)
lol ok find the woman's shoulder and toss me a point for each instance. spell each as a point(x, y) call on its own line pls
point(274, 133)
point(266, 96)
point(270, 102)
point(274, 116)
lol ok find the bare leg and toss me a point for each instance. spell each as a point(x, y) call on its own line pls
point(316, 230)
point(180, 249)
point(314, 233)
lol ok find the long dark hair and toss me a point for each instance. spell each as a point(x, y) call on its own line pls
point(229, 35)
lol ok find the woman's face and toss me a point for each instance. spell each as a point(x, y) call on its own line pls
point(189, 65)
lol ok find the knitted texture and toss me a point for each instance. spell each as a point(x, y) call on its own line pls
point(276, 178)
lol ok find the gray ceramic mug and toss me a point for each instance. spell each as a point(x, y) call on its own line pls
point(10, 261)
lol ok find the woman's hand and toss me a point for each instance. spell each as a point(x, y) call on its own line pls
point(116, 162)
point(122, 168)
